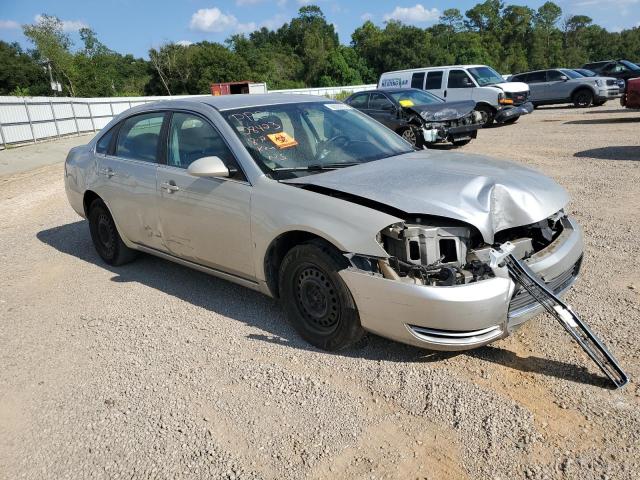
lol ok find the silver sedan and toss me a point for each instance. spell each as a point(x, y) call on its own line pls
point(307, 200)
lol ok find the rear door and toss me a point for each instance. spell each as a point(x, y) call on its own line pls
point(204, 220)
point(383, 110)
point(127, 172)
point(459, 86)
point(537, 86)
point(434, 82)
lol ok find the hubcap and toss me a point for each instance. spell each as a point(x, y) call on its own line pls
point(317, 299)
point(409, 135)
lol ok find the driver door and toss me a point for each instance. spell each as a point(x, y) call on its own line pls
point(383, 110)
point(204, 220)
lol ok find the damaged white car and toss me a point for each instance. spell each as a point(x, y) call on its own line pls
point(310, 201)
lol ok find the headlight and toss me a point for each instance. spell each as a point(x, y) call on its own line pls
point(599, 82)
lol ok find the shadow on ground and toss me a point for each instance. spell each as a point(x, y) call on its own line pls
point(604, 121)
point(260, 311)
point(611, 153)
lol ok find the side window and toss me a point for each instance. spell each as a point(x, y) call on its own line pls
point(522, 77)
point(378, 101)
point(417, 80)
point(192, 138)
point(103, 144)
point(554, 76)
point(139, 137)
point(537, 77)
point(434, 81)
point(459, 79)
point(359, 100)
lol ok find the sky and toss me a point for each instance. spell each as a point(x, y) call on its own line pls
point(134, 26)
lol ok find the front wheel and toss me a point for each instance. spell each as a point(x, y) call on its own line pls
point(487, 113)
point(105, 236)
point(316, 299)
point(413, 136)
point(583, 98)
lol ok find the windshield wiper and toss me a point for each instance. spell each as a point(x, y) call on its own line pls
point(317, 167)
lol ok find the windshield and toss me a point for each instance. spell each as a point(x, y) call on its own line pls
point(303, 138)
point(586, 73)
point(571, 73)
point(486, 76)
point(415, 97)
point(629, 65)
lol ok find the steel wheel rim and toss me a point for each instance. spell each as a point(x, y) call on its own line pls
point(317, 299)
point(105, 234)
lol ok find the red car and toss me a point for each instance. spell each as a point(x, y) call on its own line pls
point(631, 98)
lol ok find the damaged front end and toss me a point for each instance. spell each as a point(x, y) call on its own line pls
point(453, 122)
point(438, 289)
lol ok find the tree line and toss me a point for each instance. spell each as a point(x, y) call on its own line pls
point(306, 52)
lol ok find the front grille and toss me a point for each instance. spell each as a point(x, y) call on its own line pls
point(612, 81)
point(522, 299)
point(519, 97)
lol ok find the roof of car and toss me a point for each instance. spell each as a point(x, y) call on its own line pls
point(387, 90)
point(434, 68)
point(228, 102)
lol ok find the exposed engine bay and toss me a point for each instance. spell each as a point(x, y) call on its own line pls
point(455, 122)
point(425, 253)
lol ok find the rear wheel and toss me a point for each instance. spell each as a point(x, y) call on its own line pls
point(583, 98)
point(105, 236)
point(316, 299)
point(487, 113)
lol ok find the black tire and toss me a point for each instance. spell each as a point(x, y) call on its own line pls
point(488, 114)
point(583, 98)
point(413, 136)
point(317, 302)
point(105, 236)
point(460, 143)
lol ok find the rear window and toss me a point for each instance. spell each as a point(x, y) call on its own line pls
point(103, 144)
point(537, 77)
point(359, 100)
point(139, 137)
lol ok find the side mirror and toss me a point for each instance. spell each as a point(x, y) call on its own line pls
point(564, 78)
point(208, 167)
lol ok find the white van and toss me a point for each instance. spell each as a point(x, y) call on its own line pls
point(496, 99)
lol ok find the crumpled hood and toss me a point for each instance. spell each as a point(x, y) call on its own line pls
point(489, 194)
point(441, 112)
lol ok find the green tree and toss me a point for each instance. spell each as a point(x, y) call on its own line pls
point(54, 45)
point(20, 73)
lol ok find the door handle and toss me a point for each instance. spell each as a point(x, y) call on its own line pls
point(170, 186)
point(107, 172)
point(445, 94)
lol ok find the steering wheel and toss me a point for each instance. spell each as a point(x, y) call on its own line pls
point(324, 148)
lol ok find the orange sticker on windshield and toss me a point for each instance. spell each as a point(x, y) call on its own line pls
point(282, 140)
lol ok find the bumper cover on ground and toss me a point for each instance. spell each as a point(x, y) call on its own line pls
point(513, 112)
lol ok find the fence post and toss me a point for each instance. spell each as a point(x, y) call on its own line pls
point(111, 108)
point(91, 117)
point(4, 143)
point(55, 120)
point(26, 107)
point(75, 118)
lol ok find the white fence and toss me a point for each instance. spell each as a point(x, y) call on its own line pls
point(31, 119)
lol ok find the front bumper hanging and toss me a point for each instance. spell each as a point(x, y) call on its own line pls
point(590, 343)
point(513, 112)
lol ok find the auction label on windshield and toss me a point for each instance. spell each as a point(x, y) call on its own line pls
point(282, 140)
point(406, 103)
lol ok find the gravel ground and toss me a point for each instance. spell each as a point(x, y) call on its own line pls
point(152, 370)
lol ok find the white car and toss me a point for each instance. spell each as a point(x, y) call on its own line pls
point(496, 99)
point(311, 201)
